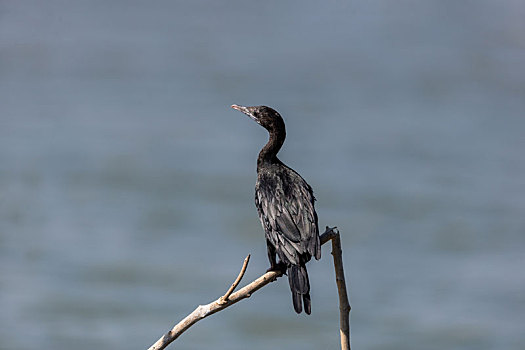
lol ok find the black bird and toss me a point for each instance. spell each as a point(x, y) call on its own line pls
point(285, 203)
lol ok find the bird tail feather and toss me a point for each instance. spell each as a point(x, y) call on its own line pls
point(300, 287)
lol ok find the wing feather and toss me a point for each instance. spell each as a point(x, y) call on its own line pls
point(287, 213)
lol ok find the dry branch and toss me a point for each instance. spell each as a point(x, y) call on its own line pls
point(224, 299)
point(231, 298)
point(344, 305)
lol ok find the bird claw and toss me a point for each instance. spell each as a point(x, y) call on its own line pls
point(279, 267)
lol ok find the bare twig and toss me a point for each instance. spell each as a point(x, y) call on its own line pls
point(224, 298)
point(344, 305)
point(231, 298)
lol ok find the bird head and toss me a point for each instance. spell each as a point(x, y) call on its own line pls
point(265, 116)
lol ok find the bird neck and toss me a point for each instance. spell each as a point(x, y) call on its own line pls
point(268, 154)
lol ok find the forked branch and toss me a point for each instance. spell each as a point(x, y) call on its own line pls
point(232, 297)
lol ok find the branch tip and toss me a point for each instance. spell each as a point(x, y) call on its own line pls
point(224, 298)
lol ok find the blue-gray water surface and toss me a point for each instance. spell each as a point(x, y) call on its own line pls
point(126, 181)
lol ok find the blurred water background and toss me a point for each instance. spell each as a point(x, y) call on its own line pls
point(126, 181)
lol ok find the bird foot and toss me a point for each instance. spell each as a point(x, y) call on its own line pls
point(279, 267)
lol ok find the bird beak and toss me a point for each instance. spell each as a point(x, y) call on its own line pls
point(245, 110)
point(241, 108)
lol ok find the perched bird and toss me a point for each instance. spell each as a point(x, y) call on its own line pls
point(285, 203)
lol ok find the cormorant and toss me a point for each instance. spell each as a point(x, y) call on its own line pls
point(285, 203)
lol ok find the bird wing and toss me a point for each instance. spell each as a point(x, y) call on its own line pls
point(286, 209)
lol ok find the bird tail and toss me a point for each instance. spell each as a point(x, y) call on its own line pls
point(300, 287)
